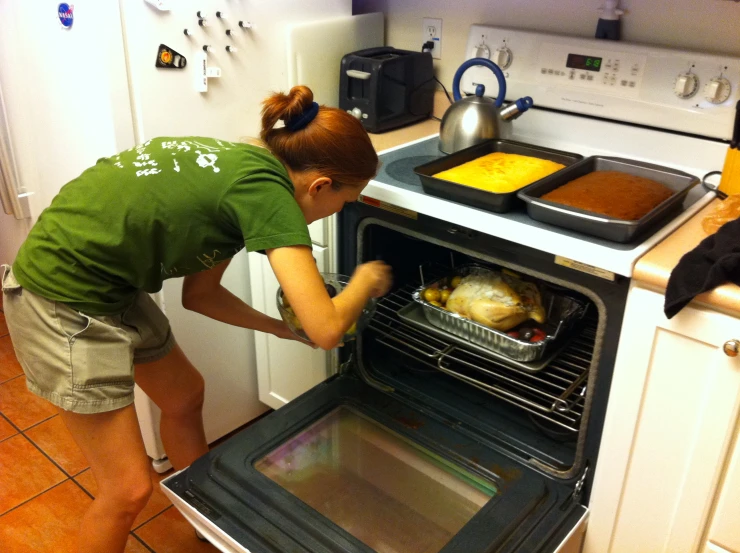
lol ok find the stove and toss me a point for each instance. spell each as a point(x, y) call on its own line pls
point(593, 115)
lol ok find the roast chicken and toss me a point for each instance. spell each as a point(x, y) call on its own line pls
point(496, 300)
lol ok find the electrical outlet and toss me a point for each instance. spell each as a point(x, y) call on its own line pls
point(432, 31)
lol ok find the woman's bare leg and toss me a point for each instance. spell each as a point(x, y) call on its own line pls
point(112, 444)
point(176, 387)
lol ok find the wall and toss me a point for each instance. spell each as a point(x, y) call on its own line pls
point(706, 25)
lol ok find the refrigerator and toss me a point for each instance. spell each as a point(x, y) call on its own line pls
point(81, 81)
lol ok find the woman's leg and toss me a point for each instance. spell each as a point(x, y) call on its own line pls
point(112, 444)
point(177, 388)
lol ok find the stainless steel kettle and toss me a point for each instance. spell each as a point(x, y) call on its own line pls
point(474, 119)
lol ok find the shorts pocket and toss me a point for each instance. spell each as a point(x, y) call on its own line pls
point(10, 284)
point(101, 354)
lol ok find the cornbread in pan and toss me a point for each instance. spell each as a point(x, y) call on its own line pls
point(500, 173)
point(611, 193)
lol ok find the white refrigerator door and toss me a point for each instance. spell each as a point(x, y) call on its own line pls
point(165, 102)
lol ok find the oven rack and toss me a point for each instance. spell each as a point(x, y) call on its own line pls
point(556, 393)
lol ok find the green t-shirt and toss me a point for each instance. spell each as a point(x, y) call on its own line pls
point(168, 208)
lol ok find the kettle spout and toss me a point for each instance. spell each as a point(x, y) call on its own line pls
point(512, 111)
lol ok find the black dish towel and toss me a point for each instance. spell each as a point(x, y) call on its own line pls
point(712, 263)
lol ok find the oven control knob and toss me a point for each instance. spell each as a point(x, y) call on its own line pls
point(503, 57)
point(686, 85)
point(482, 51)
point(717, 90)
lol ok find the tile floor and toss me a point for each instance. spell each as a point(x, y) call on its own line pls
point(46, 485)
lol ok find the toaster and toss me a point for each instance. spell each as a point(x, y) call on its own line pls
point(386, 88)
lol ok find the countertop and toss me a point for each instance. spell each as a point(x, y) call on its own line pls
point(655, 267)
point(386, 140)
point(652, 270)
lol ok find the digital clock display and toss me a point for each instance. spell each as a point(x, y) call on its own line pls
point(578, 61)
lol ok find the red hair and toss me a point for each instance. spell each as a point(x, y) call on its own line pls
point(334, 143)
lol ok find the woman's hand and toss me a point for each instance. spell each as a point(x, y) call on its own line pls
point(325, 320)
point(376, 276)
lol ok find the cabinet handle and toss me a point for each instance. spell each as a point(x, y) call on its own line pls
point(731, 348)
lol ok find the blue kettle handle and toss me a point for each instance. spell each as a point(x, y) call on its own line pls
point(485, 63)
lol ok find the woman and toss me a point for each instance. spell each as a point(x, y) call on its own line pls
point(85, 329)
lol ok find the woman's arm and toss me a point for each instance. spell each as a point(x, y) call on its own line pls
point(203, 293)
point(325, 320)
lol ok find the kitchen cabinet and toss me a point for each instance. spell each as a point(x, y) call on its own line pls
point(672, 419)
point(285, 368)
point(724, 530)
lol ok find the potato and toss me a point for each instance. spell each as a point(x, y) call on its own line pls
point(352, 329)
point(434, 302)
point(431, 295)
point(444, 295)
point(455, 282)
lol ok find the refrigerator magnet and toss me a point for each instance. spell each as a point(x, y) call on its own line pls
point(65, 13)
point(167, 58)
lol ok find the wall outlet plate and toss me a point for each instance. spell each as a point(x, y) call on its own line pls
point(432, 31)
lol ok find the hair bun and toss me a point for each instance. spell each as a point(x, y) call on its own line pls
point(283, 107)
point(300, 99)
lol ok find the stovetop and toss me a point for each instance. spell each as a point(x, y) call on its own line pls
point(397, 184)
point(398, 170)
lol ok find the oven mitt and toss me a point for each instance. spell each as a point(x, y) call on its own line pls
point(714, 262)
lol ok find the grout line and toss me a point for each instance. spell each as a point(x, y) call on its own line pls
point(151, 518)
point(46, 455)
point(34, 425)
point(142, 542)
point(81, 486)
point(11, 424)
point(34, 497)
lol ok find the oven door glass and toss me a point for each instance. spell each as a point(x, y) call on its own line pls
point(390, 493)
point(346, 468)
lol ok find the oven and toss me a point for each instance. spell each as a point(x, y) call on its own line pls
point(421, 442)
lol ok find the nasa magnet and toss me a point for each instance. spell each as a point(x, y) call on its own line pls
point(65, 13)
point(167, 58)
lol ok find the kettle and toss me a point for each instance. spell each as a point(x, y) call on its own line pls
point(474, 119)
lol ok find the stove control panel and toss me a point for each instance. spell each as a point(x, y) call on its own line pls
point(671, 89)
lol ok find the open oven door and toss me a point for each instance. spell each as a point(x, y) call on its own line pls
point(349, 468)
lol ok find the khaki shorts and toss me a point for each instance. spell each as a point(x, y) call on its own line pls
point(82, 363)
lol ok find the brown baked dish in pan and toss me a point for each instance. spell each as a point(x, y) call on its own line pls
point(611, 193)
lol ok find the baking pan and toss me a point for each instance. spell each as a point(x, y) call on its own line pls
point(413, 315)
point(489, 201)
point(616, 230)
point(562, 312)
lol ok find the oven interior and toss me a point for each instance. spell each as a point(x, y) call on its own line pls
point(542, 417)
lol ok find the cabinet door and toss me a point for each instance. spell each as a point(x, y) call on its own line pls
point(669, 425)
point(724, 533)
point(285, 368)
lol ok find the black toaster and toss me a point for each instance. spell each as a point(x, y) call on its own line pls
point(387, 88)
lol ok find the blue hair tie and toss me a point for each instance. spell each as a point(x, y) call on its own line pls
point(301, 120)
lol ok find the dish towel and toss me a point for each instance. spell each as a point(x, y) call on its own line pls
point(714, 262)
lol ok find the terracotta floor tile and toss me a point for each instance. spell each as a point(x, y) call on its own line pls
point(157, 503)
point(47, 523)
point(134, 546)
point(25, 472)
point(171, 533)
point(23, 408)
point(6, 430)
point(55, 440)
point(9, 366)
point(3, 325)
